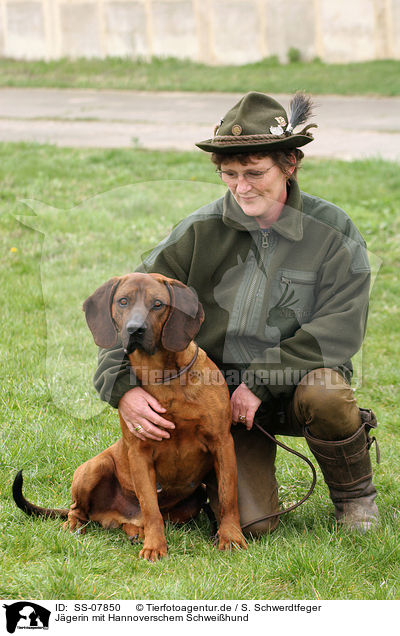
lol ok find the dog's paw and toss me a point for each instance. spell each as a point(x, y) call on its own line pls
point(134, 532)
point(231, 538)
point(153, 553)
point(228, 543)
point(74, 524)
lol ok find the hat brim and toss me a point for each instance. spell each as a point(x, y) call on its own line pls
point(229, 147)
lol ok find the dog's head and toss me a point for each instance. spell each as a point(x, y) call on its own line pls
point(148, 310)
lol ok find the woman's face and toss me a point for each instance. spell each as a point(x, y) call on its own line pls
point(259, 187)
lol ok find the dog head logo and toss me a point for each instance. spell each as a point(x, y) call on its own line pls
point(26, 615)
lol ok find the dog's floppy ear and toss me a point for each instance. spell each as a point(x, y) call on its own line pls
point(185, 317)
point(97, 309)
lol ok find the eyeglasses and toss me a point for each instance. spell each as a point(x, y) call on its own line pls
point(251, 176)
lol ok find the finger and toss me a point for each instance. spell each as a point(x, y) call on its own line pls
point(152, 430)
point(143, 429)
point(159, 421)
point(245, 422)
point(135, 426)
point(250, 418)
point(243, 417)
point(145, 436)
point(238, 418)
point(148, 437)
point(237, 412)
point(155, 404)
point(140, 436)
point(145, 413)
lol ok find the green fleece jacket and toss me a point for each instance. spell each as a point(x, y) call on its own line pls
point(278, 303)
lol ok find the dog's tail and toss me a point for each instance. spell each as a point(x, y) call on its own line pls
point(30, 508)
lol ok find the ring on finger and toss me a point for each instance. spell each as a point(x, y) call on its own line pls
point(242, 419)
point(138, 428)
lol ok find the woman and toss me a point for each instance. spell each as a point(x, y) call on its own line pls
point(284, 281)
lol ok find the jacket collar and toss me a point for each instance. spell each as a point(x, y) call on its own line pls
point(290, 222)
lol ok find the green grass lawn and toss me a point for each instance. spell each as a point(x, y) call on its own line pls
point(381, 77)
point(100, 211)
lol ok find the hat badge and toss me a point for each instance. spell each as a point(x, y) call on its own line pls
point(236, 129)
point(278, 130)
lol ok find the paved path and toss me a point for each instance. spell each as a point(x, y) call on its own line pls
point(348, 127)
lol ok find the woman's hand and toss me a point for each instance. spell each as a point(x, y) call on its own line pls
point(244, 404)
point(140, 410)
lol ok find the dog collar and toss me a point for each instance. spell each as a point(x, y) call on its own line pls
point(181, 371)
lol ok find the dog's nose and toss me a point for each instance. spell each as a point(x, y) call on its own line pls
point(136, 326)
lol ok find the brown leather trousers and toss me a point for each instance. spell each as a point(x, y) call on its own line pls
point(322, 401)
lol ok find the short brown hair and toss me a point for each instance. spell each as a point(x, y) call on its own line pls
point(282, 158)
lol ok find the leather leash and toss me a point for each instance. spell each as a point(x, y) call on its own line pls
point(306, 496)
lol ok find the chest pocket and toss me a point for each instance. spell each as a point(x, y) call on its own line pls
point(292, 301)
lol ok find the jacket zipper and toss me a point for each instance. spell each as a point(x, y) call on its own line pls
point(265, 242)
point(265, 237)
point(299, 281)
point(249, 299)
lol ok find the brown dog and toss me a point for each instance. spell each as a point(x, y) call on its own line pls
point(134, 483)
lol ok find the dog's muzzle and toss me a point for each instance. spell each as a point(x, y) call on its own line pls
point(135, 329)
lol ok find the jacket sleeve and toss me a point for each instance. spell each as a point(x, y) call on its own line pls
point(114, 377)
point(333, 335)
point(113, 374)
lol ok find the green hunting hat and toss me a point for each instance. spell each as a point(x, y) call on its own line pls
point(259, 123)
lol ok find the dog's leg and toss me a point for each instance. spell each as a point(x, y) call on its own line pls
point(86, 478)
point(229, 532)
point(144, 479)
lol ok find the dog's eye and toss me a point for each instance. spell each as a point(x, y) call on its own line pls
point(158, 304)
point(123, 302)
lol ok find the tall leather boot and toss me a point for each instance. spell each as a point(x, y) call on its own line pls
point(346, 467)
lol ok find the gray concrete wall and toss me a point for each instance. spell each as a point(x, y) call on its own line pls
point(210, 31)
